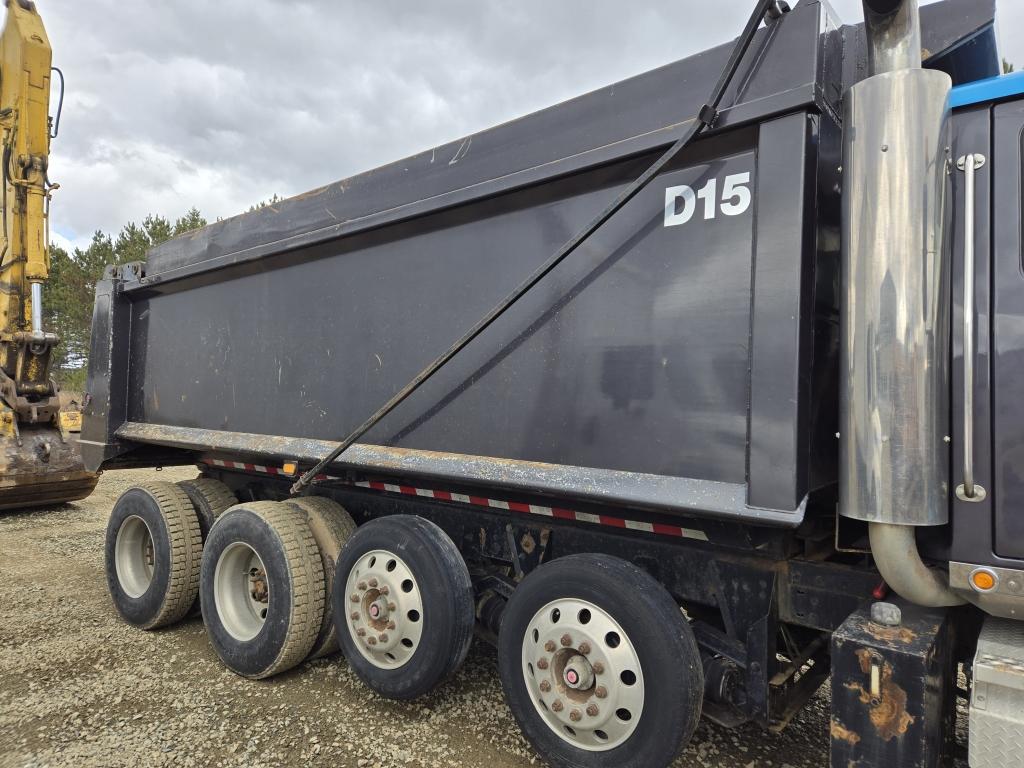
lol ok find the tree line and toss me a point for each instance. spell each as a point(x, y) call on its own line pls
point(68, 294)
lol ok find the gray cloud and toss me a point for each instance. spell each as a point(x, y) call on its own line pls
point(222, 104)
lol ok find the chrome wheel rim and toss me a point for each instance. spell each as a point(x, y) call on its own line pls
point(134, 556)
point(385, 609)
point(241, 591)
point(583, 674)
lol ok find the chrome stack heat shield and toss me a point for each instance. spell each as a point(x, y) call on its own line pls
point(895, 326)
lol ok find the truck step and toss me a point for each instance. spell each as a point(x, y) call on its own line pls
point(997, 696)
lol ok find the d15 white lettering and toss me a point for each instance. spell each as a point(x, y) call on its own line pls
point(681, 201)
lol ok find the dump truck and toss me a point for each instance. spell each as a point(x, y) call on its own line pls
point(690, 394)
point(39, 458)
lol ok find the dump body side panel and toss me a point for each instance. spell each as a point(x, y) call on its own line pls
point(635, 357)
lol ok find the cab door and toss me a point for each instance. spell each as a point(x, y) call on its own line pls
point(971, 374)
point(1007, 324)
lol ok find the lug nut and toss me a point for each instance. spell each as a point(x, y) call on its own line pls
point(371, 640)
point(392, 607)
point(361, 585)
point(354, 615)
point(545, 686)
point(566, 640)
point(550, 646)
point(373, 583)
point(598, 667)
point(542, 663)
point(382, 637)
point(601, 692)
point(391, 625)
point(592, 710)
point(385, 590)
point(361, 632)
point(584, 648)
point(557, 706)
point(354, 598)
point(575, 716)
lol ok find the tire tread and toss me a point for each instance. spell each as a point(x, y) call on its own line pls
point(332, 526)
point(186, 546)
point(307, 581)
point(218, 497)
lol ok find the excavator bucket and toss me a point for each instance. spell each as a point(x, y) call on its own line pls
point(43, 467)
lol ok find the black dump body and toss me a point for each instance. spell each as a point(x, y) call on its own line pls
point(683, 361)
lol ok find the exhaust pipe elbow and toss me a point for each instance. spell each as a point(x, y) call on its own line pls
point(895, 550)
point(894, 35)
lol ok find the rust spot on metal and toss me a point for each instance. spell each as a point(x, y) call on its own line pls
point(888, 710)
point(307, 195)
point(527, 543)
point(842, 733)
point(890, 634)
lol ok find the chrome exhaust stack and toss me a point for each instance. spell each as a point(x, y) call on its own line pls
point(895, 323)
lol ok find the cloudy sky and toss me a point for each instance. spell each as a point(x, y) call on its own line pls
point(222, 104)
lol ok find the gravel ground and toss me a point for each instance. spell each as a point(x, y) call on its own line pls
point(80, 688)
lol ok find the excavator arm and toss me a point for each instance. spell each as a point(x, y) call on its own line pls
point(39, 458)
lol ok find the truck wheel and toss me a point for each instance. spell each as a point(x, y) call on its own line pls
point(262, 588)
point(210, 497)
point(403, 605)
point(599, 666)
point(152, 550)
point(331, 526)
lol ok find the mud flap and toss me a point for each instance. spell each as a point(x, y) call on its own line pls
point(893, 690)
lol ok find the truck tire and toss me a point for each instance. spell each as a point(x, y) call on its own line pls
point(599, 666)
point(210, 498)
point(262, 588)
point(403, 605)
point(152, 551)
point(331, 526)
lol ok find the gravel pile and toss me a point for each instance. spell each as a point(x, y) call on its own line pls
point(79, 688)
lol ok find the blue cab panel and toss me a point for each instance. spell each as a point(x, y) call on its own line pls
point(990, 89)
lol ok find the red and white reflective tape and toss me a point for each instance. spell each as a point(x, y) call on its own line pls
point(537, 509)
point(558, 513)
point(257, 468)
point(244, 467)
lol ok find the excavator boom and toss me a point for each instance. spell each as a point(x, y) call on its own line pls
point(39, 458)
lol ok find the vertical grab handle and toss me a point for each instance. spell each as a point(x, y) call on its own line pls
point(968, 490)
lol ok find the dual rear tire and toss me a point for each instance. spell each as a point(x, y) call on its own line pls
point(262, 588)
point(153, 548)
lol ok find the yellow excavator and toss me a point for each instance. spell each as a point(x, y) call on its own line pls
point(39, 458)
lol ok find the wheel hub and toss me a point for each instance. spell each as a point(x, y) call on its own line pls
point(386, 618)
point(578, 674)
point(583, 674)
point(241, 591)
point(378, 610)
point(134, 556)
point(258, 585)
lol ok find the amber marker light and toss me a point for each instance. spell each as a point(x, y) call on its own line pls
point(983, 580)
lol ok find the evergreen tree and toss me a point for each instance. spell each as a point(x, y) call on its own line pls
point(69, 293)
